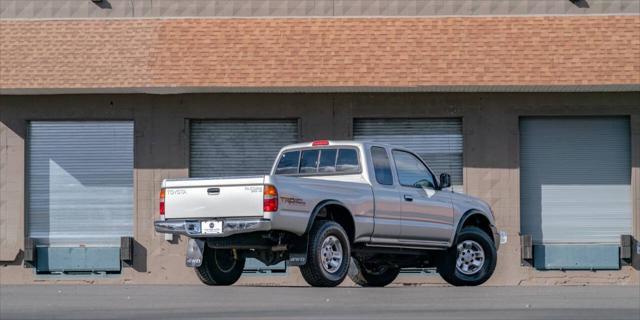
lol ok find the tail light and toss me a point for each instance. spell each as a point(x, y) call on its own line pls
point(162, 202)
point(270, 199)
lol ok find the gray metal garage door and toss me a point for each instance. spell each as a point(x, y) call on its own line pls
point(232, 148)
point(437, 141)
point(575, 181)
point(80, 193)
point(239, 148)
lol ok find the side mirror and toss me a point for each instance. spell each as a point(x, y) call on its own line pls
point(445, 181)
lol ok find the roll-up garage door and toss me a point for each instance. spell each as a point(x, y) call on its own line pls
point(575, 182)
point(232, 148)
point(221, 148)
point(437, 141)
point(80, 193)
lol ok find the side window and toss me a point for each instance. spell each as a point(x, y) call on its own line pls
point(327, 160)
point(347, 160)
point(288, 163)
point(411, 171)
point(381, 166)
point(309, 161)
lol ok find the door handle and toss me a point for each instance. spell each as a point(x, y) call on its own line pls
point(408, 198)
point(213, 191)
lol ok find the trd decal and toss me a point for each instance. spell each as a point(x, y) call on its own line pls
point(293, 201)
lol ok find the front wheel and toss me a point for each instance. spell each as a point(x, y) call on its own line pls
point(366, 275)
point(220, 267)
point(471, 261)
point(328, 257)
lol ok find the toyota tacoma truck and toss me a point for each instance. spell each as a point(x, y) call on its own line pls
point(333, 208)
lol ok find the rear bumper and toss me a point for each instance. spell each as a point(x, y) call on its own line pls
point(191, 227)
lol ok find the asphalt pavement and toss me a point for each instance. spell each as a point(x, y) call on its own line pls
point(142, 302)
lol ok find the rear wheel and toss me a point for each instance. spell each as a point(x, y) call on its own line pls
point(328, 257)
point(220, 267)
point(372, 276)
point(471, 261)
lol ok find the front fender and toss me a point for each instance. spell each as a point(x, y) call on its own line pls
point(472, 213)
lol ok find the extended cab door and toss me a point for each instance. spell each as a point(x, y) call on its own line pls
point(427, 213)
point(388, 210)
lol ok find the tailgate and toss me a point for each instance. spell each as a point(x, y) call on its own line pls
point(214, 198)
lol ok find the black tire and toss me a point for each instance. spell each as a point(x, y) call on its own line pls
point(364, 276)
point(453, 275)
point(219, 267)
point(314, 272)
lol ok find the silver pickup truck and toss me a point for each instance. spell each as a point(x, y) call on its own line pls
point(333, 208)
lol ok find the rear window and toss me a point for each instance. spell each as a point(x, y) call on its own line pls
point(288, 163)
point(327, 161)
point(347, 161)
point(309, 161)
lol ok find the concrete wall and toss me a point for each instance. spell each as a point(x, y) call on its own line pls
point(490, 124)
point(56, 9)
